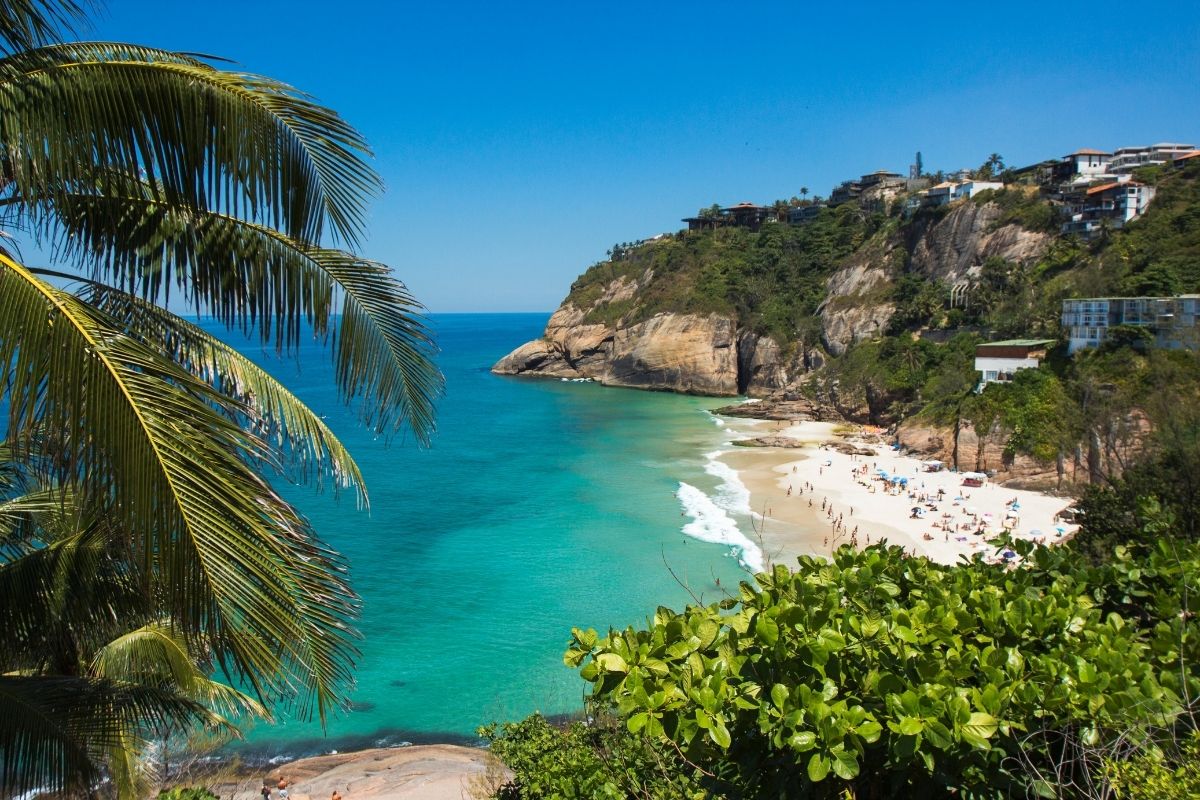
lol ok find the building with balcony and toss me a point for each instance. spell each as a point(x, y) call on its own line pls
point(1172, 321)
point(1127, 159)
point(1109, 205)
point(1086, 164)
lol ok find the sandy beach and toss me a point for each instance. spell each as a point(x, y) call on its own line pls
point(813, 499)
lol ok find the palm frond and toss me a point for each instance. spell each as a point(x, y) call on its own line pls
point(206, 138)
point(229, 558)
point(55, 732)
point(155, 655)
point(33, 23)
point(278, 416)
point(247, 274)
point(74, 595)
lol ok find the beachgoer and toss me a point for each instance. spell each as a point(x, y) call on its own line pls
point(283, 787)
point(336, 795)
point(266, 791)
point(789, 493)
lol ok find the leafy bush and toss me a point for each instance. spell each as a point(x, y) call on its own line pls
point(187, 793)
point(888, 676)
point(1151, 777)
point(598, 759)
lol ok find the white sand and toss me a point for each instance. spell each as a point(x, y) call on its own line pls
point(790, 527)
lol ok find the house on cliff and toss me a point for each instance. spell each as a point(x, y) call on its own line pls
point(743, 215)
point(997, 362)
point(1109, 205)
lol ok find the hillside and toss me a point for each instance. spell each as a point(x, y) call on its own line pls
point(850, 315)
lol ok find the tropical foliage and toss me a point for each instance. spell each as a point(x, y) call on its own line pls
point(890, 676)
point(142, 546)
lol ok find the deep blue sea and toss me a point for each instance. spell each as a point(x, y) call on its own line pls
point(539, 506)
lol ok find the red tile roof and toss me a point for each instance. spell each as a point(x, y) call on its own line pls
point(1087, 151)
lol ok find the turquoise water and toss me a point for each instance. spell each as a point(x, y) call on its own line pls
point(540, 505)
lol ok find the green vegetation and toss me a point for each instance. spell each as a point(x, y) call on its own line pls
point(1158, 777)
point(145, 560)
point(874, 675)
point(599, 759)
point(771, 281)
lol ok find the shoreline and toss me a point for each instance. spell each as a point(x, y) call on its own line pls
point(810, 499)
point(412, 772)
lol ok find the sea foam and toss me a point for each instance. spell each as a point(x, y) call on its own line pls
point(712, 523)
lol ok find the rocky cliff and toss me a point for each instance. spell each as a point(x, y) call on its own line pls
point(686, 353)
point(950, 249)
point(724, 313)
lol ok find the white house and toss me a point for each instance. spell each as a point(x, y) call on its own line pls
point(968, 189)
point(998, 361)
point(1088, 163)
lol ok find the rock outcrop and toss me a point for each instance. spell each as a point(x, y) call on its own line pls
point(971, 452)
point(953, 249)
point(857, 304)
point(686, 353)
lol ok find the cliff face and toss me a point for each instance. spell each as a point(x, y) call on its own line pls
point(951, 249)
point(954, 248)
point(688, 353)
point(629, 321)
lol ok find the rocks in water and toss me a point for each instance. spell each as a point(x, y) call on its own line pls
point(782, 407)
point(686, 353)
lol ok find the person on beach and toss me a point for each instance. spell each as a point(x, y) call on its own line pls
point(266, 791)
point(283, 787)
point(336, 795)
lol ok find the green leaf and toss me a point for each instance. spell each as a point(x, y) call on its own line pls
point(802, 741)
point(779, 695)
point(981, 725)
point(766, 629)
point(845, 764)
point(720, 734)
point(611, 662)
point(818, 767)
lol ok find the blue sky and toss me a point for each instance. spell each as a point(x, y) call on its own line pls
point(520, 141)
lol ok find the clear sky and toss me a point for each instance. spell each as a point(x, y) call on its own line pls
point(519, 141)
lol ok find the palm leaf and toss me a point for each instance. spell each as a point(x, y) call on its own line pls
point(33, 23)
point(55, 731)
point(230, 141)
point(278, 416)
point(245, 273)
point(230, 559)
point(155, 655)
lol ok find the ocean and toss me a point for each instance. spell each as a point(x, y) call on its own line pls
point(540, 505)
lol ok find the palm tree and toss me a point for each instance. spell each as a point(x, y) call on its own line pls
point(155, 175)
point(804, 191)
